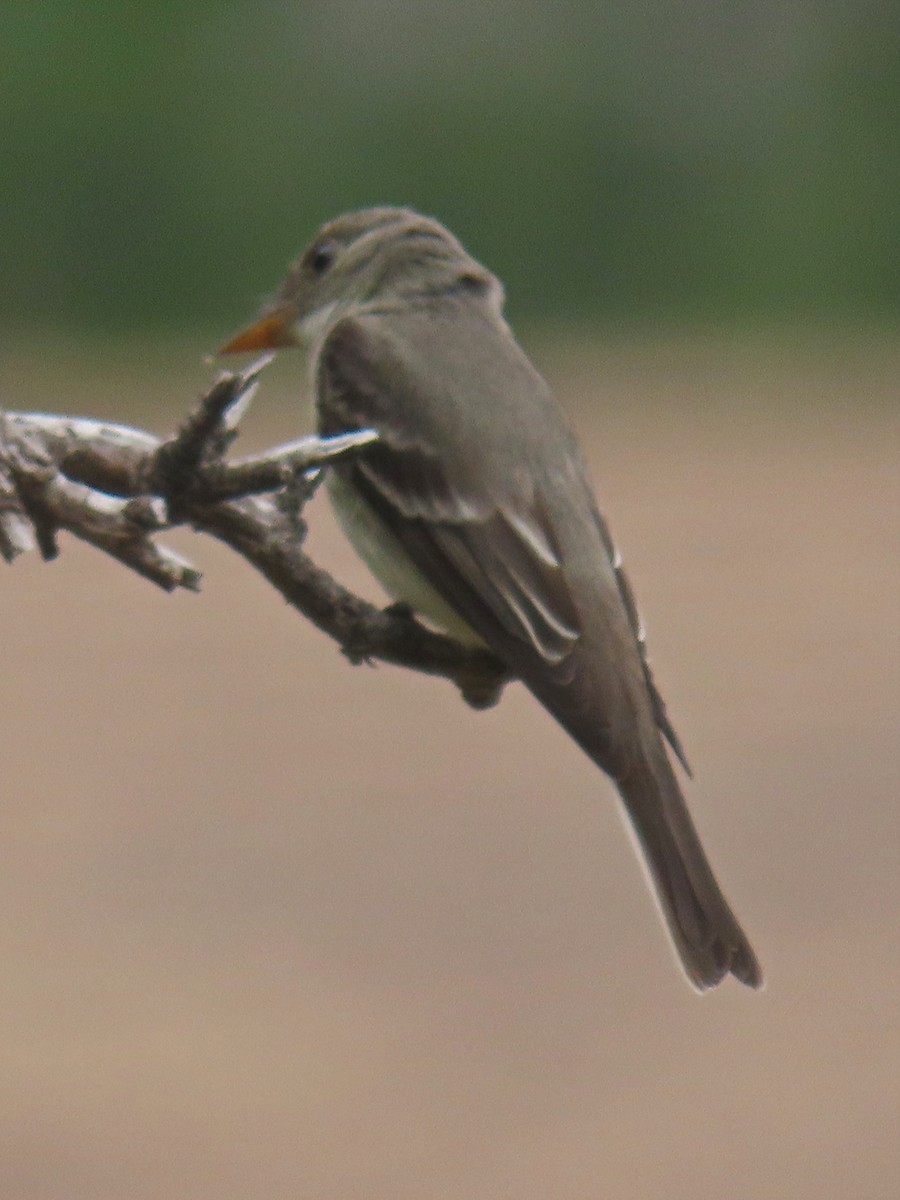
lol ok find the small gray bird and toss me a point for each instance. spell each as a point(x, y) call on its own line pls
point(474, 507)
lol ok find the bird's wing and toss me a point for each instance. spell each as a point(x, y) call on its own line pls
point(637, 628)
point(485, 538)
point(488, 550)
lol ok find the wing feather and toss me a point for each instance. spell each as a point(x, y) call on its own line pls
point(492, 555)
point(487, 545)
point(640, 636)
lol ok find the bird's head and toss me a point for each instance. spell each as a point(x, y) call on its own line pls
point(372, 259)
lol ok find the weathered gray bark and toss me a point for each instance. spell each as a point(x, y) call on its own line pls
point(117, 487)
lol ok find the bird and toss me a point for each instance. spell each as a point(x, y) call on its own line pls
point(474, 508)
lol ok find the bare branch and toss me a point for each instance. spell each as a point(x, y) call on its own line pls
point(17, 534)
point(271, 471)
point(116, 487)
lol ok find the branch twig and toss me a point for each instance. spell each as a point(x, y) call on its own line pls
point(116, 487)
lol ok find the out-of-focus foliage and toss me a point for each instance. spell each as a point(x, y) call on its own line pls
point(161, 161)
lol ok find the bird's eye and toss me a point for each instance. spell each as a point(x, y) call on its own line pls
point(320, 257)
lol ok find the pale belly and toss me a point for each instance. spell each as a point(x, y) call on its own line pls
point(389, 562)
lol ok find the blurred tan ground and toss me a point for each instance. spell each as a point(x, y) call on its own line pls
point(276, 927)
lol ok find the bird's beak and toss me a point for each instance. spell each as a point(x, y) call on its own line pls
point(273, 330)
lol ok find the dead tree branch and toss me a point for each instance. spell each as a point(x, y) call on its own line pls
point(117, 488)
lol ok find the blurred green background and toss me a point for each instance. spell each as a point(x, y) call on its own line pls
point(690, 161)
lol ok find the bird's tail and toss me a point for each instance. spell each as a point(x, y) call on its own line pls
point(706, 933)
